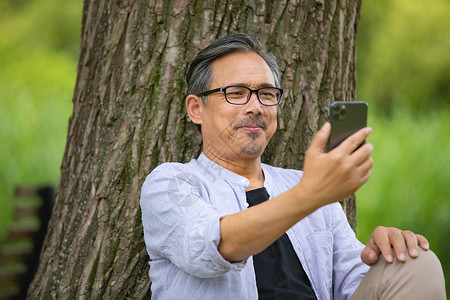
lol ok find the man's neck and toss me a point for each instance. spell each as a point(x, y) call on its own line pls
point(249, 168)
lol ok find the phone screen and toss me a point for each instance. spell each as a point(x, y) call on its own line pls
point(346, 117)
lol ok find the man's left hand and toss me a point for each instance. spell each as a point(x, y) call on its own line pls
point(383, 239)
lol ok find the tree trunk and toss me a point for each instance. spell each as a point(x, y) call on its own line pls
point(129, 116)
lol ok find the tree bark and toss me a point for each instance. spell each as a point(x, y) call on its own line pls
point(129, 116)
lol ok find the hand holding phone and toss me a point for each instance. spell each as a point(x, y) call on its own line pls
point(339, 173)
point(346, 117)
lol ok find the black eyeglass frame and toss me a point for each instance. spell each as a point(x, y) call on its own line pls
point(224, 88)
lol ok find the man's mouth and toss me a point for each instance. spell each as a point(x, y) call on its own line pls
point(250, 127)
point(251, 124)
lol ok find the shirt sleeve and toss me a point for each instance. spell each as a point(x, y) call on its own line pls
point(348, 268)
point(179, 225)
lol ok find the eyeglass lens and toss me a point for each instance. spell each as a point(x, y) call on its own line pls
point(239, 95)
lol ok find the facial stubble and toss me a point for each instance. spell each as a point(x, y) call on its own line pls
point(251, 148)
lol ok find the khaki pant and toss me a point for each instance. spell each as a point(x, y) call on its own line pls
point(420, 278)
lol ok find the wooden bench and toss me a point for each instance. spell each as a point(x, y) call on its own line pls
point(19, 256)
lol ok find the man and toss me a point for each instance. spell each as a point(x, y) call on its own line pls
point(226, 226)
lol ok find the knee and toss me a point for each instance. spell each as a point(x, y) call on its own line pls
point(425, 271)
point(417, 278)
point(426, 262)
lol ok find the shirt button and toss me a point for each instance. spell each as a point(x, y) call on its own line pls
point(243, 181)
point(246, 204)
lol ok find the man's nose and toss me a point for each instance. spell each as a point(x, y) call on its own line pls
point(253, 104)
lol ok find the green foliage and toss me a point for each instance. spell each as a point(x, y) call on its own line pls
point(403, 56)
point(409, 186)
point(37, 76)
point(50, 24)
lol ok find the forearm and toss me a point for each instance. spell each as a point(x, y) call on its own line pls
point(327, 178)
point(250, 231)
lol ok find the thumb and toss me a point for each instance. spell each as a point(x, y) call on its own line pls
point(320, 140)
point(370, 254)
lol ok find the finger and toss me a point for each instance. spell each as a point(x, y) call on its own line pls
point(423, 242)
point(411, 243)
point(351, 143)
point(382, 240)
point(364, 178)
point(398, 243)
point(362, 173)
point(370, 254)
point(320, 140)
point(362, 154)
point(365, 166)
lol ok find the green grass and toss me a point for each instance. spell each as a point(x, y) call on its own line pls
point(409, 187)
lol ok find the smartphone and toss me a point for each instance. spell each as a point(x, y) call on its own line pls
point(346, 117)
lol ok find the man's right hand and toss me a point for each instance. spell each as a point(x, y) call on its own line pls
point(333, 176)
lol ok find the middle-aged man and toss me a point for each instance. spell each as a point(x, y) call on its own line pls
point(226, 226)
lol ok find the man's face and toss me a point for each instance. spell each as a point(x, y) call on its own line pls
point(238, 131)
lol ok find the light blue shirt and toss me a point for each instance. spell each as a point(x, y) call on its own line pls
point(182, 205)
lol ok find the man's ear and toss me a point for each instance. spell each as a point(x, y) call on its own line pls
point(194, 107)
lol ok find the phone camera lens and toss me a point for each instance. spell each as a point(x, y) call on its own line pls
point(339, 112)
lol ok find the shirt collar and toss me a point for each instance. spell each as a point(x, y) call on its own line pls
point(215, 169)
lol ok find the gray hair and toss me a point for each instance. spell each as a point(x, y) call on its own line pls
point(199, 76)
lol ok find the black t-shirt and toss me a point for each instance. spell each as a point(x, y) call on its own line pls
point(279, 273)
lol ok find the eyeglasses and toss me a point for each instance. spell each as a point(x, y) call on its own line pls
point(240, 95)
